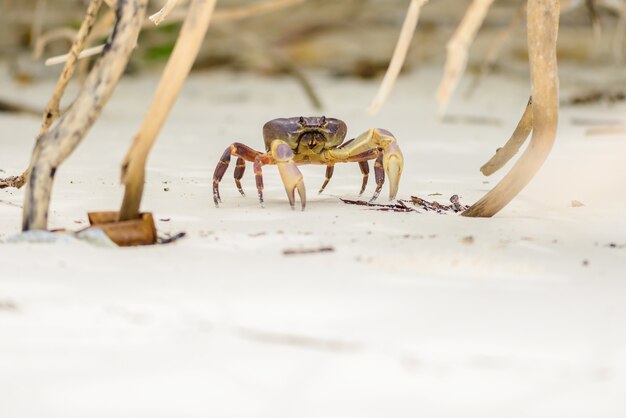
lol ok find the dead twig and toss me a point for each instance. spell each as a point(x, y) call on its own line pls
point(504, 154)
point(176, 71)
point(52, 108)
point(399, 55)
point(457, 50)
point(55, 145)
point(159, 16)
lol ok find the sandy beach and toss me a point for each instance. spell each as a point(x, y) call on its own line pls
point(404, 315)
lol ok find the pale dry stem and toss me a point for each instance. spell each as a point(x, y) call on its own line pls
point(176, 71)
point(457, 50)
point(55, 145)
point(543, 23)
point(159, 16)
point(512, 146)
point(225, 15)
point(398, 57)
point(89, 52)
point(52, 108)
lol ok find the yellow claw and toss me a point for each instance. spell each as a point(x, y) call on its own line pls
point(393, 162)
point(289, 172)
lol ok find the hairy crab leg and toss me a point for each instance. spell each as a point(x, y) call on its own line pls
point(240, 168)
point(289, 172)
point(330, 168)
point(258, 176)
point(243, 152)
point(379, 174)
point(365, 170)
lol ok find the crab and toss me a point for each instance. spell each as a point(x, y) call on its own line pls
point(290, 142)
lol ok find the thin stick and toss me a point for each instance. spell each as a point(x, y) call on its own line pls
point(176, 71)
point(55, 145)
point(227, 15)
point(89, 52)
point(543, 24)
point(504, 154)
point(457, 49)
point(159, 16)
point(398, 57)
point(52, 109)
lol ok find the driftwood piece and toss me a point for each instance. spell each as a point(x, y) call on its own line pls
point(176, 71)
point(457, 47)
point(543, 23)
point(504, 154)
point(54, 146)
point(52, 109)
point(399, 55)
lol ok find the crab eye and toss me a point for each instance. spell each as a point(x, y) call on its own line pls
point(323, 121)
point(301, 121)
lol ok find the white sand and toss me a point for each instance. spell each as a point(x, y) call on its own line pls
point(404, 319)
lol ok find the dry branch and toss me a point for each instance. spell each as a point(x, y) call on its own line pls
point(176, 71)
point(52, 109)
point(89, 52)
point(399, 55)
point(159, 16)
point(55, 145)
point(504, 154)
point(457, 49)
point(543, 23)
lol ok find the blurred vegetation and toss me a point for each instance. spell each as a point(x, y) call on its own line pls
point(346, 37)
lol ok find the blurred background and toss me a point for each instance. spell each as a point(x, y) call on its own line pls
point(347, 38)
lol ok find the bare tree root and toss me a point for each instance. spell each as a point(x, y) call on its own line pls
point(176, 71)
point(52, 109)
point(55, 145)
point(543, 23)
point(399, 55)
point(457, 48)
point(504, 154)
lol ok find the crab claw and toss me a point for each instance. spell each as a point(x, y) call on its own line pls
point(289, 172)
point(393, 162)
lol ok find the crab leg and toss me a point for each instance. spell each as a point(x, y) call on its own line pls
point(379, 174)
point(365, 170)
point(240, 168)
point(289, 172)
point(330, 168)
point(258, 175)
point(243, 152)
